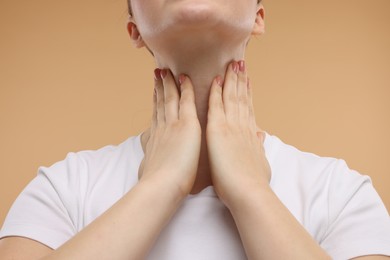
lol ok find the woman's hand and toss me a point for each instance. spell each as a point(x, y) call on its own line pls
point(172, 151)
point(235, 144)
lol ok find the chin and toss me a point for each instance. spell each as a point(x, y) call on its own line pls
point(199, 23)
point(197, 13)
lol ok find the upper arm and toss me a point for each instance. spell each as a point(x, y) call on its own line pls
point(45, 210)
point(358, 222)
point(20, 248)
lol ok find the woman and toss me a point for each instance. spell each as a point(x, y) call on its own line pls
point(203, 182)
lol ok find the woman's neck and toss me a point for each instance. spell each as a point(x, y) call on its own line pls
point(199, 40)
point(202, 65)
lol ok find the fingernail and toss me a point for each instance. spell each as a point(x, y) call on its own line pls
point(219, 81)
point(235, 67)
point(182, 78)
point(163, 73)
point(242, 65)
point(157, 74)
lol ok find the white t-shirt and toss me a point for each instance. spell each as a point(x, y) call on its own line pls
point(338, 207)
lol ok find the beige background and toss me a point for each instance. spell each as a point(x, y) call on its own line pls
point(70, 80)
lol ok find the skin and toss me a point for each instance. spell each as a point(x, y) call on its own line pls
point(207, 118)
point(187, 24)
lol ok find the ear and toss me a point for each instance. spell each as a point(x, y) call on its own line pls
point(135, 36)
point(259, 26)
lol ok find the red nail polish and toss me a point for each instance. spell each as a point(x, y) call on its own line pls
point(219, 81)
point(182, 78)
point(163, 73)
point(157, 74)
point(242, 65)
point(235, 67)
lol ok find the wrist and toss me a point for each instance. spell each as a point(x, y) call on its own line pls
point(248, 197)
point(165, 187)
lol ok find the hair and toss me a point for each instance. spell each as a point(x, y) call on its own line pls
point(131, 12)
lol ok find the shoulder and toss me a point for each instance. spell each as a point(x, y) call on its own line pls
point(128, 149)
point(312, 177)
point(65, 197)
point(337, 205)
point(90, 176)
point(95, 163)
point(289, 162)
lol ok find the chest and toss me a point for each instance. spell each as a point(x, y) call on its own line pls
point(202, 228)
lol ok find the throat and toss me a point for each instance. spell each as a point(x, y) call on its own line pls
point(203, 175)
point(201, 63)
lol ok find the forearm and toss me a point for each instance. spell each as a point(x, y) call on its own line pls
point(128, 229)
point(269, 231)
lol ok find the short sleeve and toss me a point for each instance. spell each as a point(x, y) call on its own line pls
point(359, 223)
point(39, 212)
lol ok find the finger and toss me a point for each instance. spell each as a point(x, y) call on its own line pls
point(160, 110)
point(171, 96)
point(187, 107)
point(242, 94)
point(216, 109)
point(229, 93)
